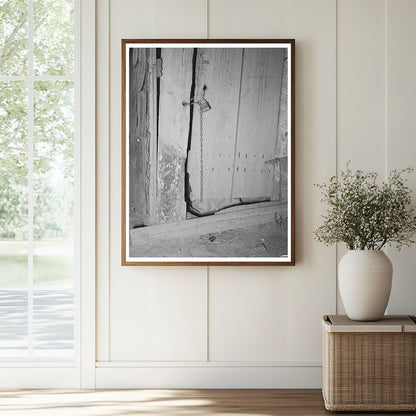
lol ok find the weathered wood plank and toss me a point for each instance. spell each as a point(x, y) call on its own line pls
point(257, 122)
point(280, 179)
point(279, 189)
point(213, 223)
point(283, 126)
point(220, 70)
point(151, 194)
point(138, 142)
point(175, 86)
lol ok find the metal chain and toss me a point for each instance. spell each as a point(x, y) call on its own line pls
point(201, 127)
point(203, 106)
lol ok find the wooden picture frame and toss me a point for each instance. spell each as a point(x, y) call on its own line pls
point(208, 152)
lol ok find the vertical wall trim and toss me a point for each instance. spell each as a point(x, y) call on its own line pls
point(207, 308)
point(386, 97)
point(108, 283)
point(336, 142)
point(387, 69)
point(103, 180)
point(88, 203)
point(152, 317)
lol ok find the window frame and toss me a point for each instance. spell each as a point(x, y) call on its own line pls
point(81, 371)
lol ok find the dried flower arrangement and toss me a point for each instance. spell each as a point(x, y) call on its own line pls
point(366, 215)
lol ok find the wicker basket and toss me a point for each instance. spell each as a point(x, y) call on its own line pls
point(369, 366)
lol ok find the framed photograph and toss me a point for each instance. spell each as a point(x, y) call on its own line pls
point(208, 153)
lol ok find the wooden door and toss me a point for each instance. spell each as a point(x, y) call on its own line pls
point(240, 132)
point(220, 71)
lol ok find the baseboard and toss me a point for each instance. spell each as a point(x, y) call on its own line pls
point(38, 378)
point(209, 377)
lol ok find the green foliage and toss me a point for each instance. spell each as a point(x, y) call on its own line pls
point(53, 37)
point(53, 208)
point(54, 126)
point(53, 119)
point(13, 37)
point(365, 215)
point(13, 159)
point(13, 129)
point(13, 208)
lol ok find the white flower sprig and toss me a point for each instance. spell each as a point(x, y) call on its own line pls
point(365, 215)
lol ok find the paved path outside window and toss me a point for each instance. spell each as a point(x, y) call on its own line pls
point(53, 323)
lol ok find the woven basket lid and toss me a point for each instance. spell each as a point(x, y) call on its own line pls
point(390, 323)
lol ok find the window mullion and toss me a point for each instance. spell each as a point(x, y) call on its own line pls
point(30, 177)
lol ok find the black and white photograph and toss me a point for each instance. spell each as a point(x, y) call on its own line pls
point(208, 152)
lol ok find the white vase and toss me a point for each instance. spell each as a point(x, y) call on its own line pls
point(364, 278)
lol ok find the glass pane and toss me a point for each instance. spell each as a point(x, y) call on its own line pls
point(13, 37)
point(53, 219)
point(13, 219)
point(53, 37)
point(13, 324)
point(53, 179)
point(13, 174)
point(53, 318)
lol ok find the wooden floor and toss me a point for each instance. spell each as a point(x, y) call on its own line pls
point(164, 402)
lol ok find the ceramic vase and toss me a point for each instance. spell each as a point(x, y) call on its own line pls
point(364, 278)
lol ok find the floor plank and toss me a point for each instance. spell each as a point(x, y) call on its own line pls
point(165, 402)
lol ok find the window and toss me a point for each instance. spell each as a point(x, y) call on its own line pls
point(38, 185)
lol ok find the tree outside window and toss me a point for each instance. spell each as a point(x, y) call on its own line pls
point(37, 81)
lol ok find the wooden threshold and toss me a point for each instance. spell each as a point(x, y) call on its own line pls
point(231, 218)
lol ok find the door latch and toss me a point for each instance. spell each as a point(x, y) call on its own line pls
point(204, 105)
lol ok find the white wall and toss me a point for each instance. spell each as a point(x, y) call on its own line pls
point(254, 326)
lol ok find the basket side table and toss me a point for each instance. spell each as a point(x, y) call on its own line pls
point(369, 366)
